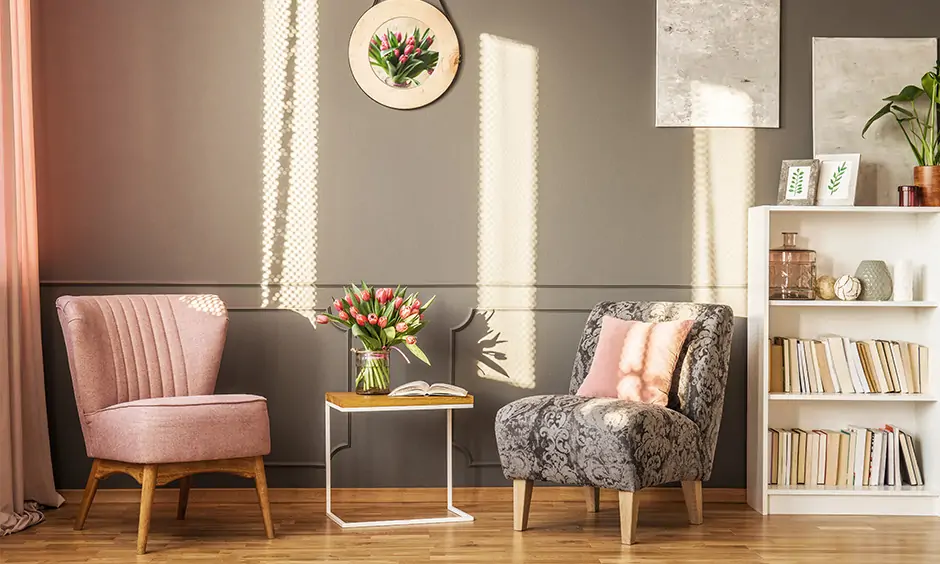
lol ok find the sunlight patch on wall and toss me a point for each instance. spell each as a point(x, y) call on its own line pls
point(723, 190)
point(290, 121)
point(507, 244)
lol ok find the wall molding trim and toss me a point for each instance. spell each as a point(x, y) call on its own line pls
point(544, 494)
point(454, 285)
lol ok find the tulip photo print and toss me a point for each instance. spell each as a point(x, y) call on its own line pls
point(404, 54)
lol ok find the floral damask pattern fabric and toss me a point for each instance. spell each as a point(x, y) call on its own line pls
point(624, 445)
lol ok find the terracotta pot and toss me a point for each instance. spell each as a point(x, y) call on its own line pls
point(928, 178)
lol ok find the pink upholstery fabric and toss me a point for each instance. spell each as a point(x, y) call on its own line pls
point(635, 361)
point(143, 369)
point(180, 429)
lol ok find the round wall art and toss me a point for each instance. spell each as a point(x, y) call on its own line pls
point(404, 53)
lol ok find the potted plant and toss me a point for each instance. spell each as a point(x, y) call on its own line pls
point(914, 109)
point(381, 319)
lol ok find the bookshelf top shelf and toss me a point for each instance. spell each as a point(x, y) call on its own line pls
point(852, 209)
point(902, 491)
point(855, 397)
point(853, 304)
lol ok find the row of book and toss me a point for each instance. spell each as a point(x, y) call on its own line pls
point(856, 456)
point(834, 365)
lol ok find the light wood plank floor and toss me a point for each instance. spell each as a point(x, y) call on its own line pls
point(559, 532)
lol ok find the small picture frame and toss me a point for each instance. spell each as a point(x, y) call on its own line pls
point(838, 178)
point(798, 181)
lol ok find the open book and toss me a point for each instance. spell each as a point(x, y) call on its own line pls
point(422, 388)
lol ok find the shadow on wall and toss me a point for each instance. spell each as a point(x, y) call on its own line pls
point(290, 156)
point(507, 244)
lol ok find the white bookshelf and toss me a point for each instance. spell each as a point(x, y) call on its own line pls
point(842, 237)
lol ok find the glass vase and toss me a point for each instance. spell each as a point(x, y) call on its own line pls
point(372, 372)
point(792, 271)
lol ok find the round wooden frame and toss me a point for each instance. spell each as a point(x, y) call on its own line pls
point(445, 42)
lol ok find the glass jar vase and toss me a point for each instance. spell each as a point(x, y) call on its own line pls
point(792, 271)
point(372, 372)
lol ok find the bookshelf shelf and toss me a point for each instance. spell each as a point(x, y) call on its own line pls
point(851, 305)
point(843, 237)
point(903, 491)
point(855, 397)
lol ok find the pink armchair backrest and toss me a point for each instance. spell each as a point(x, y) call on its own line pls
point(125, 348)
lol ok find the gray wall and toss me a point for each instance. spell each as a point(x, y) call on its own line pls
point(149, 148)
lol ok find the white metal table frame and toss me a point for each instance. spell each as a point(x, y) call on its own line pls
point(458, 515)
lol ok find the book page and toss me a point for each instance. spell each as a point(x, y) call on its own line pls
point(416, 388)
point(441, 389)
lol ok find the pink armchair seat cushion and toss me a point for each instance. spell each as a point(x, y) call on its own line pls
point(180, 429)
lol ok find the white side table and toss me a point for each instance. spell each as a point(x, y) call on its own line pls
point(350, 402)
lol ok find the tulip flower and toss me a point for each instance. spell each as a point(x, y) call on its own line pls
point(397, 53)
point(365, 296)
point(361, 319)
point(411, 40)
point(373, 319)
point(386, 46)
point(322, 319)
point(401, 327)
point(398, 36)
point(415, 304)
point(338, 305)
point(421, 317)
point(348, 299)
point(430, 40)
point(383, 321)
point(384, 38)
point(430, 72)
point(353, 311)
point(409, 49)
point(405, 312)
point(411, 339)
point(417, 51)
point(344, 316)
point(384, 295)
point(398, 302)
point(403, 59)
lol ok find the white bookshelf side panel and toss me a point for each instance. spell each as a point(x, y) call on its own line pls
point(757, 357)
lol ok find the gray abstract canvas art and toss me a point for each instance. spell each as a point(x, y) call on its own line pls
point(850, 78)
point(718, 63)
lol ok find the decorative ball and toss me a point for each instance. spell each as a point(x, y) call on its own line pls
point(848, 288)
point(826, 287)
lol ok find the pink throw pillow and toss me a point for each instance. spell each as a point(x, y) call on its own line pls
point(635, 360)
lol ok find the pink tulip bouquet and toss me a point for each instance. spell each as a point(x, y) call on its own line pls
point(382, 319)
point(403, 58)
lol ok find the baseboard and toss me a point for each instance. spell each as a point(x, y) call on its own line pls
point(396, 495)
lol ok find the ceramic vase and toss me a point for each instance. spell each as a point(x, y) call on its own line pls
point(904, 281)
point(876, 281)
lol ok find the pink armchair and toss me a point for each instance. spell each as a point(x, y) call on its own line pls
point(144, 370)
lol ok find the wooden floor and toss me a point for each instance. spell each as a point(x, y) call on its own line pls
point(559, 532)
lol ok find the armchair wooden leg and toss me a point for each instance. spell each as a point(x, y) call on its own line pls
point(692, 491)
point(148, 484)
point(91, 488)
point(521, 500)
point(592, 496)
point(261, 485)
point(629, 504)
point(185, 483)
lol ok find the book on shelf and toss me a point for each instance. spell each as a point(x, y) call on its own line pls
point(853, 457)
point(838, 365)
point(422, 388)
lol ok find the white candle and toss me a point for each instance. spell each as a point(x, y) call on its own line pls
point(904, 281)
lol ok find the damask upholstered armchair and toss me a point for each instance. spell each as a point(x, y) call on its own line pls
point(621, 445)
point(144, 370)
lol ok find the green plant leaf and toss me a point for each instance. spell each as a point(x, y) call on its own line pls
point(389, 333)
point(907, 94)
point(885, 110)
point(419, 354)
point(427, 304)
point(903, 111)
point(929, 82)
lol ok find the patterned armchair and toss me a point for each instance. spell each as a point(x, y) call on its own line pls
point(621, 445)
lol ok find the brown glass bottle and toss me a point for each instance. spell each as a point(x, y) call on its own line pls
point(792, 271)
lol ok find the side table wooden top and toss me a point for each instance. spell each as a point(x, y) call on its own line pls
point(354, 400)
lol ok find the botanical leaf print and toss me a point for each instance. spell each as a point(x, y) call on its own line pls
point(836, 181)
point(796, 183)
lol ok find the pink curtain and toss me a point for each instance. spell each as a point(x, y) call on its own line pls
point(26, 481)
